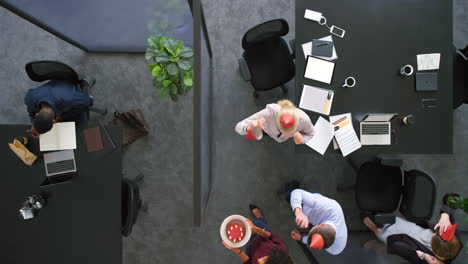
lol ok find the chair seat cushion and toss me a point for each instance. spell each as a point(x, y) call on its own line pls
point(378, 187)
point(270, 63)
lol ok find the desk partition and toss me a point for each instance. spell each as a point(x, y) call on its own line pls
point(203, 132)
point(108, 25)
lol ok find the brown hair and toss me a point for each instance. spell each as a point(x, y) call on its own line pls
point(327, 232)
point(445, 249)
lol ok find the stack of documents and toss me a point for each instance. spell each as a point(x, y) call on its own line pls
point(307, 49)
point(316, 99)
point(341, 128)
point(62, 136)
point(345, 135)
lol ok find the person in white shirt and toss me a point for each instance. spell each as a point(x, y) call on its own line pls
point(280, 121)
point(329, 230)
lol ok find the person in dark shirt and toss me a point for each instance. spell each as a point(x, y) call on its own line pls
point(264, 247)
point(421, 244)
point(53, 102)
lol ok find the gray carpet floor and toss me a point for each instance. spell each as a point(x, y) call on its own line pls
point(253, 170)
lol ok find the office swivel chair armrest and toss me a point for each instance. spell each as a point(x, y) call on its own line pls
point(394, 162)
point(462, 55)
point(244, 69)
point(292, 45)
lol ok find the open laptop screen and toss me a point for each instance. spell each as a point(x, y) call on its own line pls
point(378, 118)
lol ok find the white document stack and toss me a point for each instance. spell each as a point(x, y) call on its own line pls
point(346, 136)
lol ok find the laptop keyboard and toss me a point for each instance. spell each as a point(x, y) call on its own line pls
point(375, 129)
point(60, 166)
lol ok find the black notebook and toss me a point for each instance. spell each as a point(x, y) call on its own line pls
point(426, 81)
point(322, 48)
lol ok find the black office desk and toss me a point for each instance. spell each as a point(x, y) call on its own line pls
point(382, 36)
point(81, 222)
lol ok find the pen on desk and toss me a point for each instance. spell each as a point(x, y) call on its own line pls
point(394, 136)
point(321, 44)
point(327, 104)
point(339, 121)
point(341, 125)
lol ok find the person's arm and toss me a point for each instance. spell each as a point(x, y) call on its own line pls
point(80, 101)
point(428, 258)
point(307, 129)
point(241, 254)
point(262, 232)
point(397, 245)
point(242, 126)
point(259, 231)
point(446, 219)
point(30, 103)
point(298, 198)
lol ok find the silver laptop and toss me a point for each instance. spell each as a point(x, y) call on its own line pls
point(59, 162)
point(376, 129)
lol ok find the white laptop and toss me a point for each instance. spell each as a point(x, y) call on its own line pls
point(376, 129)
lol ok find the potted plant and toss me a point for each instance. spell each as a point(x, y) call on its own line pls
point(171, 67)
point(455, 202)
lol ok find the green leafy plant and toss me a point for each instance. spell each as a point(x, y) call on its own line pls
point(171, 67)
point(456, 202)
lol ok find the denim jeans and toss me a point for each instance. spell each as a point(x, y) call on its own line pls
point(260, 223)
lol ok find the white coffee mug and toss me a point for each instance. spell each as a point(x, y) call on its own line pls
point(406, 70)
point(349, 82)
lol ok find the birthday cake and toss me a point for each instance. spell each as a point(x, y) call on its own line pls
point(235, 231)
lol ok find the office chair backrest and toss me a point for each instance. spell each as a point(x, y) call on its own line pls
point(270, 29)
point(419, 194)
point(131, 202)
point(40, 71)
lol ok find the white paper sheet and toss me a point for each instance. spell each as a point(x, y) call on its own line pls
point(346, 136)
point(324, 132)
point(307, 49)
point(428, 61)
point(319, 70)
point(62, 136)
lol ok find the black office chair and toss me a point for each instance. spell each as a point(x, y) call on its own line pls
point(460, 77)
point(381, 187)
point(131, 205)
point(46, 70)
point(267, 61)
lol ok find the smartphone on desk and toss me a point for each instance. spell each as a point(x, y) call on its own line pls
point(337, 31)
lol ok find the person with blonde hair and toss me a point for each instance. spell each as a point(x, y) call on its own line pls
point(280, 121)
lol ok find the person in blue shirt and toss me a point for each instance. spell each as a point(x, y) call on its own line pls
point(53, 102)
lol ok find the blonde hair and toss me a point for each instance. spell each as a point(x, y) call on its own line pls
point(287, 107)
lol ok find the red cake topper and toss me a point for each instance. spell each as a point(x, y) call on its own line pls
point(450, 233)
point(316, 242)
point(287, 120)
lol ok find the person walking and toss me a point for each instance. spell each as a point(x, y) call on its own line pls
point(264, 246)
point(280, 121)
